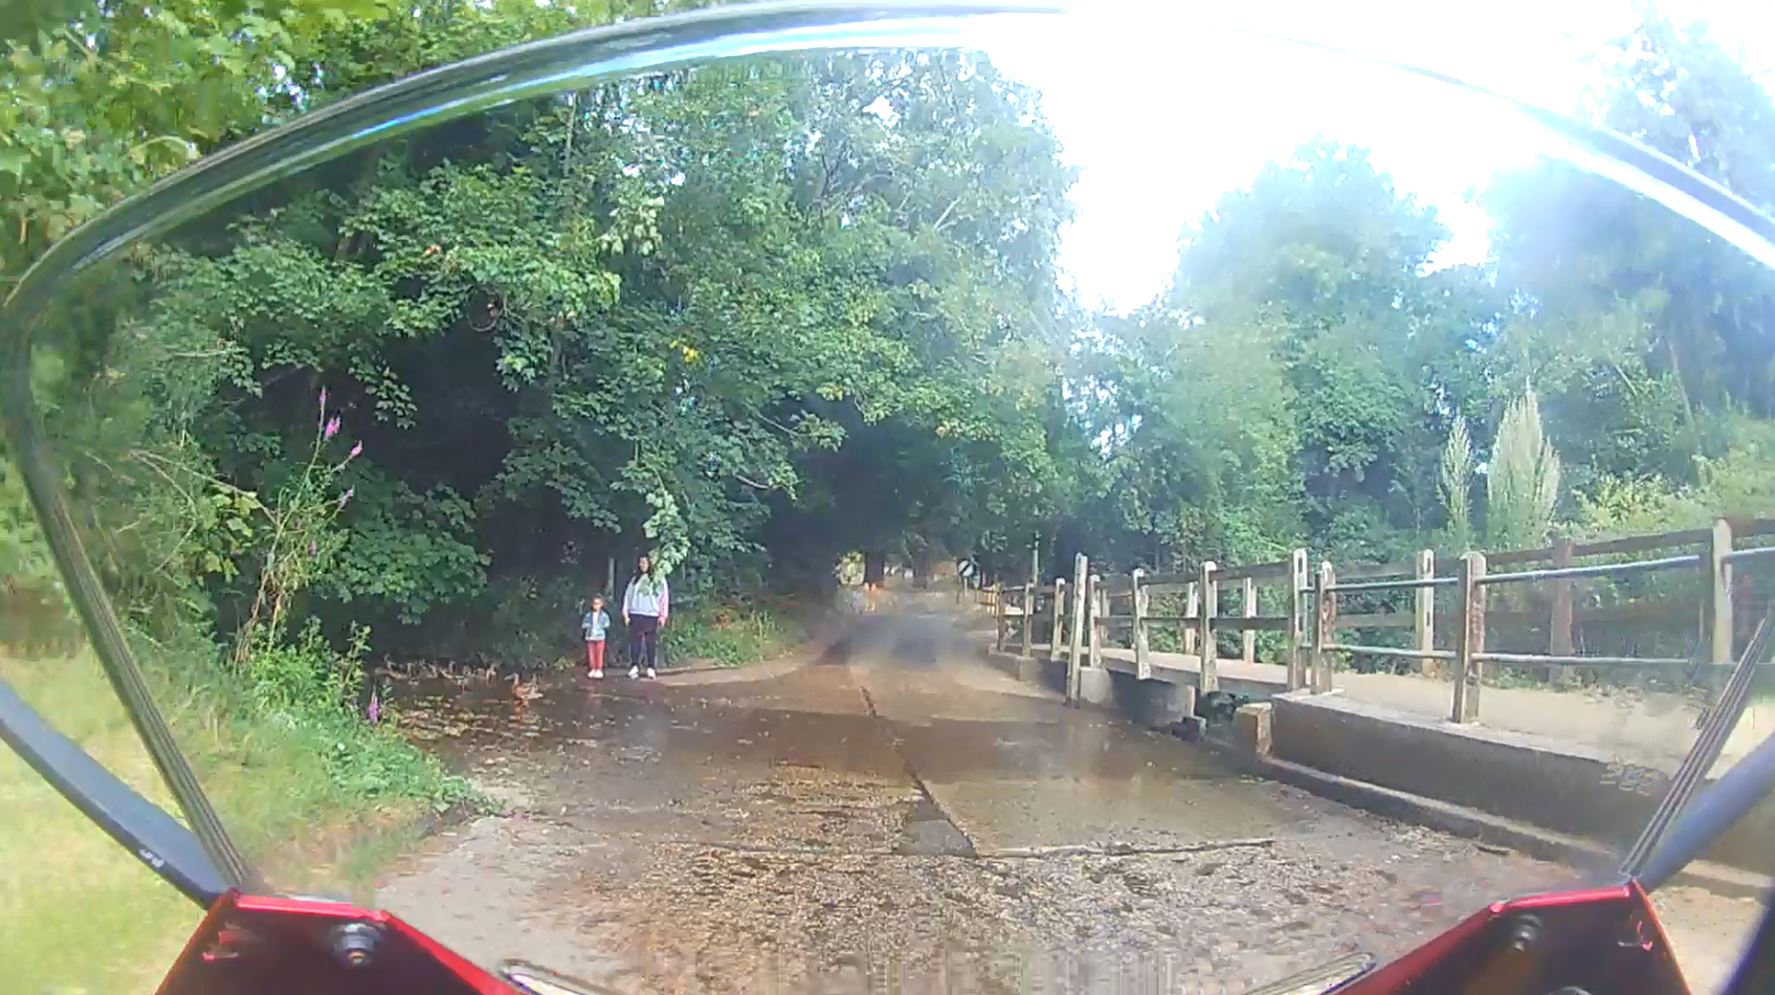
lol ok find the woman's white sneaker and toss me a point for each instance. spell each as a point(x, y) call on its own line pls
point(634, 672)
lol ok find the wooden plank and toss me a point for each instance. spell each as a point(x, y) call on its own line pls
point(1167, 580)
point(1641, 544)
point(1143, 667)
point(1115, 587)
point(1297, 619)
point(1423, 620)
point(1210, 588)
point(1511, 556)
point(1716, 587)
point(1376, 571)
point(1057, 635)
point(1662, 611)
point(1075, 645)
point(1324, 621)
point(1469, 638)
point(1274, 570)
point(1192, 610)
point(1559, 609)
point(1248, 637)
point(998, 604)
point(1744, 528)
point(1378, 620)
point(1027, 629)
point(1094, 595)
point(1253, 623)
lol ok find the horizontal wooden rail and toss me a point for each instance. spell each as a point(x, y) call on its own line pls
point(1372, 571)
point(1379, 620)
point(1253, 623)
point(1741, 527)
point(1275, 570)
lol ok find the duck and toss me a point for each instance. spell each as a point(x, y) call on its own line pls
point(524, 691)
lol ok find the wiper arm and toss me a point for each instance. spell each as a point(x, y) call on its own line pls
point(157, 839)
point(1652, 860)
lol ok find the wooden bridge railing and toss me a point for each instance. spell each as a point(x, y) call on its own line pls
point(1121, 605)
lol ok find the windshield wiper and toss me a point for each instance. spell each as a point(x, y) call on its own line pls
point(157, 839)
point(1652, 861)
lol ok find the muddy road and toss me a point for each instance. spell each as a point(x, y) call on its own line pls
point(893, 815)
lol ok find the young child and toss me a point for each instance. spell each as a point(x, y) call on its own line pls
point(595, 625)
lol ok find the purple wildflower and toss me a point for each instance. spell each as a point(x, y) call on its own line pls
point(312, 549)
point(356, 451)
point(374, 712)
point(332, 428)
point(343, 498)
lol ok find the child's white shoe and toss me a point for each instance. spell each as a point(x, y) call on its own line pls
point(651, 674)
point(597, 675)
point(634, 672)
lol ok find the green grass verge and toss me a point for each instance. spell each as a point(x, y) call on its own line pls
point(318, 801)
point(734, 633)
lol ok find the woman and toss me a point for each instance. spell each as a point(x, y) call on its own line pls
point(645, 607)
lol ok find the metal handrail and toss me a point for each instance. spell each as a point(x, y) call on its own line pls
point(1389, 651)
point(1738, 555)
point(1595, 570)
point(1582, 661)
point(1408, 584)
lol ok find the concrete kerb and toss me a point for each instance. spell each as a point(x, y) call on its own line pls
point(1586, 856)
point(1326, 744)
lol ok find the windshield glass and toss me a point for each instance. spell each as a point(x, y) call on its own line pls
point(998, 503)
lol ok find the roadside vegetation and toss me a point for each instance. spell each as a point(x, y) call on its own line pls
point(752, 317)
point(736, 633)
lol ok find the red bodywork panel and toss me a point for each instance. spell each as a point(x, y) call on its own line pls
point(288, 946)
point(1599, 940)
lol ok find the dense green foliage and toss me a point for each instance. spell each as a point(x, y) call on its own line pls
point(754, 316)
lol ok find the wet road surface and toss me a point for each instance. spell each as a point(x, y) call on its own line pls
point(894, 815)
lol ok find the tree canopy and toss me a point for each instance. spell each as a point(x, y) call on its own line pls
point(753, 316)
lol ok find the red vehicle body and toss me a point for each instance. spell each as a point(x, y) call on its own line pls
point(1591, 940)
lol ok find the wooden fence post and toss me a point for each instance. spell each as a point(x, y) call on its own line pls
point(1424, 616)
point(1143, 665)
point(1210, 589)
point(1081, 566)
point(1191, 605)
point(1057, 636)
point(1469, 638)
point(1297, 620)
point(998, 614)
point(1030, 597)
point(1559, 614)
point(1716, 595)
point(1094, 596)
point(1324, 624)
point(1248, 638)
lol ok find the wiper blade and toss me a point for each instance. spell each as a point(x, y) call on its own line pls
point(1645, 861)
point(157, 839)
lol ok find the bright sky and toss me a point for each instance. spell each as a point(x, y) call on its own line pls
point(1161, 117)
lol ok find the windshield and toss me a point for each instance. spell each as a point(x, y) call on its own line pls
point(797, 500)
